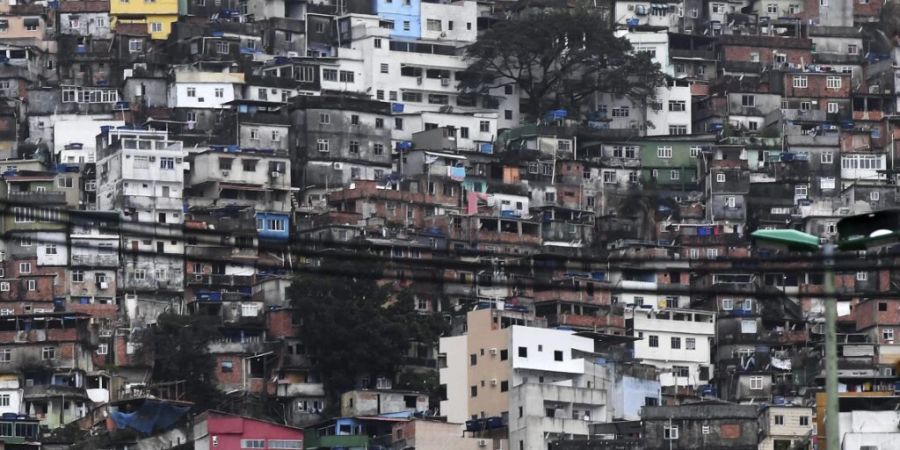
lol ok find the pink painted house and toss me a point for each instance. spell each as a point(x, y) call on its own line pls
point(218, 430)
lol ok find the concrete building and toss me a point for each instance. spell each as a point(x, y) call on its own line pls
point(698, 425)
point(542, 381)
point(140, 174)
point(677, 341)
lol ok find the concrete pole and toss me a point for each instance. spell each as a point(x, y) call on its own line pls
point(832, 431)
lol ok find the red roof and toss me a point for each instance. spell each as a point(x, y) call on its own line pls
point(84, 6)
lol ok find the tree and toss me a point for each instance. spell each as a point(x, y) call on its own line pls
point(352, 326)
point(178, 347)
point(558, 59)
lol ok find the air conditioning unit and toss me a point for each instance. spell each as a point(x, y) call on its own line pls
point(338, 166)
point(225, 173)
point(276, 174)
point(482, 442)
point(419, 80)
point(105, 333)
point(445, 82)
point(493, 351)
point(493, 381)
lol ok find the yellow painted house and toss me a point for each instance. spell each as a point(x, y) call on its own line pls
point(157, 14)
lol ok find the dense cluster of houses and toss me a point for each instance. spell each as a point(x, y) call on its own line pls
point(595, 267)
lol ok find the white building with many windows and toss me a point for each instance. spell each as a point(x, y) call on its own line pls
point(140, 173)
point(676, 341)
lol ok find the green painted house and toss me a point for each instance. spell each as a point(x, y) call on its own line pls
point(671, 162)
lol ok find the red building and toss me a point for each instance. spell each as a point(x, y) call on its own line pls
point(218, 430)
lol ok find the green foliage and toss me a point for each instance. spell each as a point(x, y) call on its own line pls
point(559, 59)
point(178, 347)
point(425, 382)
point(353, 327)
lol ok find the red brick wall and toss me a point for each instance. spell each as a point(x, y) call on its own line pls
point(766, 56)
point(817, 86)
point(278, 323)
point(868, 315)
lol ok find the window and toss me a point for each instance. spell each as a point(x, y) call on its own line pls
point(676, 343)
point(322, 145)
point(670, 432)
point(25, 242)
point(754, 57)
point(805, 106)
point(25, 267)
point(690, 343)
point(779, 420)
point(4, 286)
point(523, 352)
point(102, 349)
point(253, 443)
point(675, 175)
point(464, 132)
point(405, 25)
point(346, 76)
point(377, 43)
point(833, 108)
point(140, 274)
point(191, 92)
point(756, 383)
point(804, 421)
point(887, 334)
point(378, 149)
point(833, 82)
point(664, 152)
point(325, 118)
point(354, 147)
point(32, 285)
point(827, 157)
point(862, 276)
point(730, 202)
point(167, 163)
point(4, 400)
point(748, 100)
point(329, 74)
point(433, 25)
point(720, 178)
point(622, 111)
point(284, 444)
point(653, 341)
point(50, 249)
point(677, 105)
point(48, 353)
point(677, 130)
point(557, 355)
point(852, 49)
point(473, 391)
point(801, 81)
point(5, 355)
point(156, 27)
point(772, 8)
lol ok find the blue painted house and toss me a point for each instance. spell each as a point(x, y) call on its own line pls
point(273, 226)
point(404, 15)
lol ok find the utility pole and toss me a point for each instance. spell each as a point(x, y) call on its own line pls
point(832, 427)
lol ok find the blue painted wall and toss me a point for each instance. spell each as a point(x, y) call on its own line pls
point(266, 229)
point(400, 11)
point(635, 391)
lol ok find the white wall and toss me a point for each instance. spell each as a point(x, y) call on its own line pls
point(205, 95)
point(81, 131)
point(542, 344)
point(463, 14)
point(664, 356)
point(455, 377)
point(60, 258)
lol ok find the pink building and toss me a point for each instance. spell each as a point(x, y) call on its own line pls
point(218, 430)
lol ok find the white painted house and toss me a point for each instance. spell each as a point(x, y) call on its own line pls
point(204, 90)
point(75, 139)
point(676, 341)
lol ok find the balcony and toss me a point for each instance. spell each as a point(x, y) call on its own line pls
point(220, 280)
point(45, 197)
point(698, 54)
point(300, 390)
point(95, 259)
point(150, 203)
point(585, 322)
point(811, 140)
